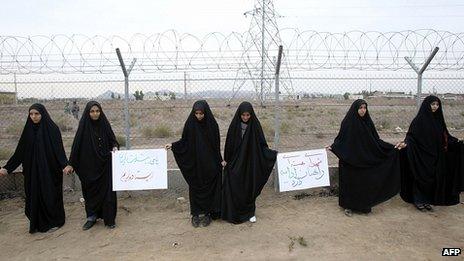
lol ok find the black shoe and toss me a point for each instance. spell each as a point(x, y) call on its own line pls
point(428, 207)
point(88, 224)
point(217, 215)
point(195, 221)
point(421, 207)
point(206, 220)
point(110, 226)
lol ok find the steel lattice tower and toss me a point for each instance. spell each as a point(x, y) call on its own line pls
point(262, 38)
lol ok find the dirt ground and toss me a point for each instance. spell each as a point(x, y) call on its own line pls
point(156, 226)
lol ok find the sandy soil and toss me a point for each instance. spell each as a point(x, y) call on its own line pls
point(156, 226)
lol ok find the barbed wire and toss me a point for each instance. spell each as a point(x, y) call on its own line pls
point(171, 51)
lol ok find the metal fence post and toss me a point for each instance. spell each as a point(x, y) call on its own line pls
point(420, 73)
point(126, 95)
point(16, 89)
point(277, 115)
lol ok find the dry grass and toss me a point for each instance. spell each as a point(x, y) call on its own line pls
point(160, 131)
point(15, 128)
point(313, 124)
point(66, 122)
point(5, 154)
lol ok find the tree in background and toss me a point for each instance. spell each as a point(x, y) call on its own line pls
point(346, 96)
point(138, 95)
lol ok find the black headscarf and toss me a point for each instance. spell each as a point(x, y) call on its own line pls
point(91, 159)
point(40, 151)
point(432, 162)
point(369, 169)
point(360, 133)
point(428, 129)
point(87, 138)
point(249, 165)
point(199, 158)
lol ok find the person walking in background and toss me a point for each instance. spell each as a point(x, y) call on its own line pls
point(75, 110)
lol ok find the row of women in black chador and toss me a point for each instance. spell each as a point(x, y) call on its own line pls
point(41, 153)
point(426, 167)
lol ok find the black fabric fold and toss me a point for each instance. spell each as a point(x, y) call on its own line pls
point(369, 168)
point(91, 160)
point(249, 165)
point(41, 153)
point(199, 158)
point(432, 169)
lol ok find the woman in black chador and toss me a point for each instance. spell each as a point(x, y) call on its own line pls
point(431, 164)
point(199, 158)
point(249, 162)
point(41, 153)
point(369, 168)
point(91, 160)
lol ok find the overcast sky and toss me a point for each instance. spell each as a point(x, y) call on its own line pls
point(117, 17)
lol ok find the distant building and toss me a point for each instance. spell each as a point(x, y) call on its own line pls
point(110, 95)
point(286, 96)
point(392, 95)
point(450, 96)
point(337, 96)
point(355, 96)
point(283, 96)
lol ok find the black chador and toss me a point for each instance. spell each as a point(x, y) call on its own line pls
point(369, 168)
point(432, 171)
point(91, 160)
point(41, 153)
point(249, 165)
point(199, 158)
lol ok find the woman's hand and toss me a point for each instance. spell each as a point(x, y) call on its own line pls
point(3, 172)
point(68, 170)
point(168, 146)
point(400, 145)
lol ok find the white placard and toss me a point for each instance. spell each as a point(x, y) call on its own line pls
point(303, 169)
point(140, 169)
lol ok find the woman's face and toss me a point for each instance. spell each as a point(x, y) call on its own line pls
point(434, 106)
point(95, 113)
point(245, 116)
point(362, 110)
point(199, 115)
point(35, 116)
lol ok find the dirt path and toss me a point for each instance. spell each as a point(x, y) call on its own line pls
point(313, 228)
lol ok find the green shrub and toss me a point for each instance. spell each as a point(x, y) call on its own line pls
point(284, 127)
point(160, 131)
point(121, 140)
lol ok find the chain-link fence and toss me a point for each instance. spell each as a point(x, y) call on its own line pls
point(310, 113)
